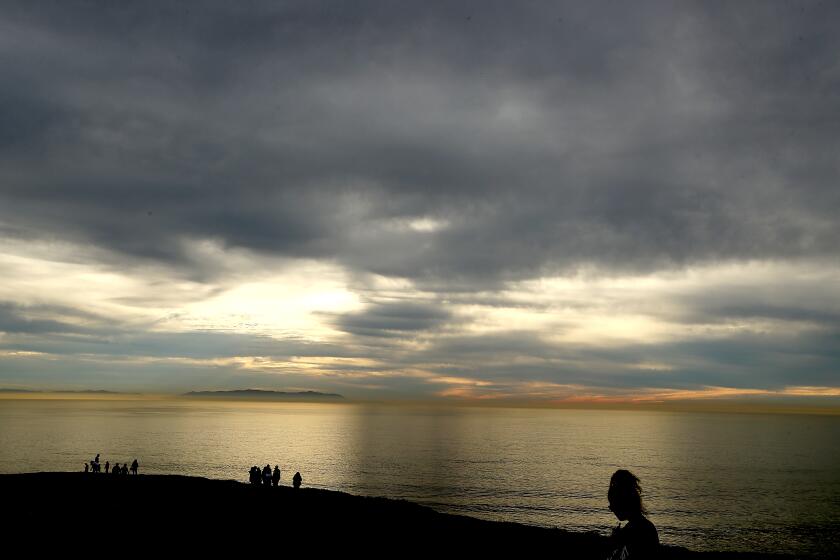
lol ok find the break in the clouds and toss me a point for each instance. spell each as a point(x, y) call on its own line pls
point(539, 200)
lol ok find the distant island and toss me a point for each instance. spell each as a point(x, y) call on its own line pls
point(84, 391)
point(259, 394)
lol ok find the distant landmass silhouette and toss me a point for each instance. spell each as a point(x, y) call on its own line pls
point(260, 394)
point(85, 391)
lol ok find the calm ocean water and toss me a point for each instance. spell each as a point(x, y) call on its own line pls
point(712, 481)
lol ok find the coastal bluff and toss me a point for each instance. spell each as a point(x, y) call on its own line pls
point(147, 510)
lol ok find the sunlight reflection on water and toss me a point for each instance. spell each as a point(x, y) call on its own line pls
point(712, 481)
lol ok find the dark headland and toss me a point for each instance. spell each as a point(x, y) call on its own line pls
point(263, 395)
point(154, 510)
point(61, 392)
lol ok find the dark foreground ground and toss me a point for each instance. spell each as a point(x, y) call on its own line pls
point(109, 516)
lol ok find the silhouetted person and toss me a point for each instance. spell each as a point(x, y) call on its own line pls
point(116, 469)
point(296, 480)
point(134, 466)
point(96, 463)
point(124, 469)
point(107, 467)
point(86, 467)
point(254, 475)
point(275, 476)
point(266, 475)
point(638, 539)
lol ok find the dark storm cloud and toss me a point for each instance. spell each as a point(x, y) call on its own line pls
point(497, 345)
point(545, 136)
point(393, 319)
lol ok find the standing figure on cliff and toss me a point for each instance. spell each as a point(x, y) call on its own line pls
point(116, 469)
point(297, 480)
point(107, 466)
point(275, 476)
point(638, 539)
point(86, 467)
point(134, 466)
point(96, 463)
point(266, 475)
point(124, 469)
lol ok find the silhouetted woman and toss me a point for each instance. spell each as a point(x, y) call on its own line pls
point(275, 476)
point(638, 539)
point(297, 480)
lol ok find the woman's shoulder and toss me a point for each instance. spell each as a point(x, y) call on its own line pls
point(644, 530)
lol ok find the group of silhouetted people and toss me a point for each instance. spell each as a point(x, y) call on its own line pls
point(269, 478)
point(637, 540)
point(95, 467)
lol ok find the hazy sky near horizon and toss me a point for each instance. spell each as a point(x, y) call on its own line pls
point(531, 200)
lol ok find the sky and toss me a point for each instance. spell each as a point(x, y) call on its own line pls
point(551, 202)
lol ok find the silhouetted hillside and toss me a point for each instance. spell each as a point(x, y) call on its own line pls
point(258, 394)
point(149, 511)
point(80, 392)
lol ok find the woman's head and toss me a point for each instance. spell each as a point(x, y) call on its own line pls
point(625, 495)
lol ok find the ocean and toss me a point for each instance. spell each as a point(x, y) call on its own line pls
point(711, 481)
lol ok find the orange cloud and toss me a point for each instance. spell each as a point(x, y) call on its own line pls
point(576, 394)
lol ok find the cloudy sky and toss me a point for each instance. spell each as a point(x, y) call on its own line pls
point(539, 201)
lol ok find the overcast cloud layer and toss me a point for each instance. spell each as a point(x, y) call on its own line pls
point(525, 200)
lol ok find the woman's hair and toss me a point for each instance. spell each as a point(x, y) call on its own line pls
point(625, 492)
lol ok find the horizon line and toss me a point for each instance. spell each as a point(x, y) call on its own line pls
point(769, 404)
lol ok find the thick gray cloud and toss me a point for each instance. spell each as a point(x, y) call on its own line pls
point(13, 319)
point(548, 136)
point(461, 147)
point(393, 319)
